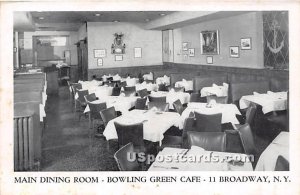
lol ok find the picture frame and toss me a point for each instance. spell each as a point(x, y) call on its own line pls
point(99, 53)
point(99, 62)
point(246, 43)
point(184, 46)
point(137, 52)
point(118, 57)
point(209, 59)
point(209, 42)
point(191, 52)
point(234, 51)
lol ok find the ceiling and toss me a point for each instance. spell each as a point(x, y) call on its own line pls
point(72, 20)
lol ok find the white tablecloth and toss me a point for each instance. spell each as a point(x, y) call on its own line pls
point(172, 96)
point(279, 146)
point(187, 85)
point(219, 91)
point(42, 112)
point(148, 86)
point(183, 160)
point(100, 91)
point(228, 111)
point(269, 102)
point(163, 80)
point(155, 124)
point(122, 104)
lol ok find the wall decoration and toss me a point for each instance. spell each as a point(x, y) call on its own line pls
point(184, 46)
point(118, 58)
point(185, 57)
point(137, 52)
point(118, 47)
point(99, 53)
point(191, 52)
point(100, 62)
point(276, 39)
point(209, 42)
point(234, 51)
point(245, 43)
point(209, 59)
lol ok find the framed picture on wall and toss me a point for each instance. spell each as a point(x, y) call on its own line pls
point(137, 52)
point(209, 42)
point(184, 46)
point(99, 62)
point(118, 58)
point(99, 53)
point(209, 59)
point(191, 52)
point(245, 43)
point(234, 51)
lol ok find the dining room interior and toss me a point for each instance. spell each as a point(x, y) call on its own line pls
point(151, 90)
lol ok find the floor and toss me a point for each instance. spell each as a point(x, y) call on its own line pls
point(68, 144)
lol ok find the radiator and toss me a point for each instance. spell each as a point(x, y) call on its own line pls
point(23, 143)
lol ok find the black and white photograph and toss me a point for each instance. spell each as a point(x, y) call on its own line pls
point(166, 113)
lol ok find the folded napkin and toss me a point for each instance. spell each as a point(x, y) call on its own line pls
point(225, 85)
point(255, 93)
point(214, 85)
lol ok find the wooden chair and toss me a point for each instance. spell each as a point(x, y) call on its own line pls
point(90, 97)
point(162, 99)
point(162, 107)
point(211, 141)
point(196, 97)
point(208, 123)
point(140, 103)
point(94, 113)
point(116, 91)
point(178, 107)
point(133, 133)
point(143, 93)
point(108, 114)
point(162, 87)
point(80, 102)
point(121, 157)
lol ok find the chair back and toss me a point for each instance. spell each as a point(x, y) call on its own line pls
point(95, 109)
point(131, 89)
point(162, 107)
point(133, 133)
point(91, 97)
point(188, 125)
point(108, 114)
point(122, 84)
point(208, 123)
point(247, 139)
point(162, 87)
point(116, 91)
point(126, 158)
point(162, 99)
point(282, 164)
point(143, 93)
point(179, 89)
point(81, 94)
point(178, 106)
point(211, 141)
point(140, 103)
point(75, 87)
point(250, 113)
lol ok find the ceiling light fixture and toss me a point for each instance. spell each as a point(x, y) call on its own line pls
point(97, 15)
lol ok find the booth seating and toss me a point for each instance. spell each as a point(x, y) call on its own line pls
point(29, 101)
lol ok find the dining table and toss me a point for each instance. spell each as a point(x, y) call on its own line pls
point(219, 91)
point(198, 159)
point(268, 158)
point(229, 112)
point(155, 123)
point(121, 103)
point(270, 101)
